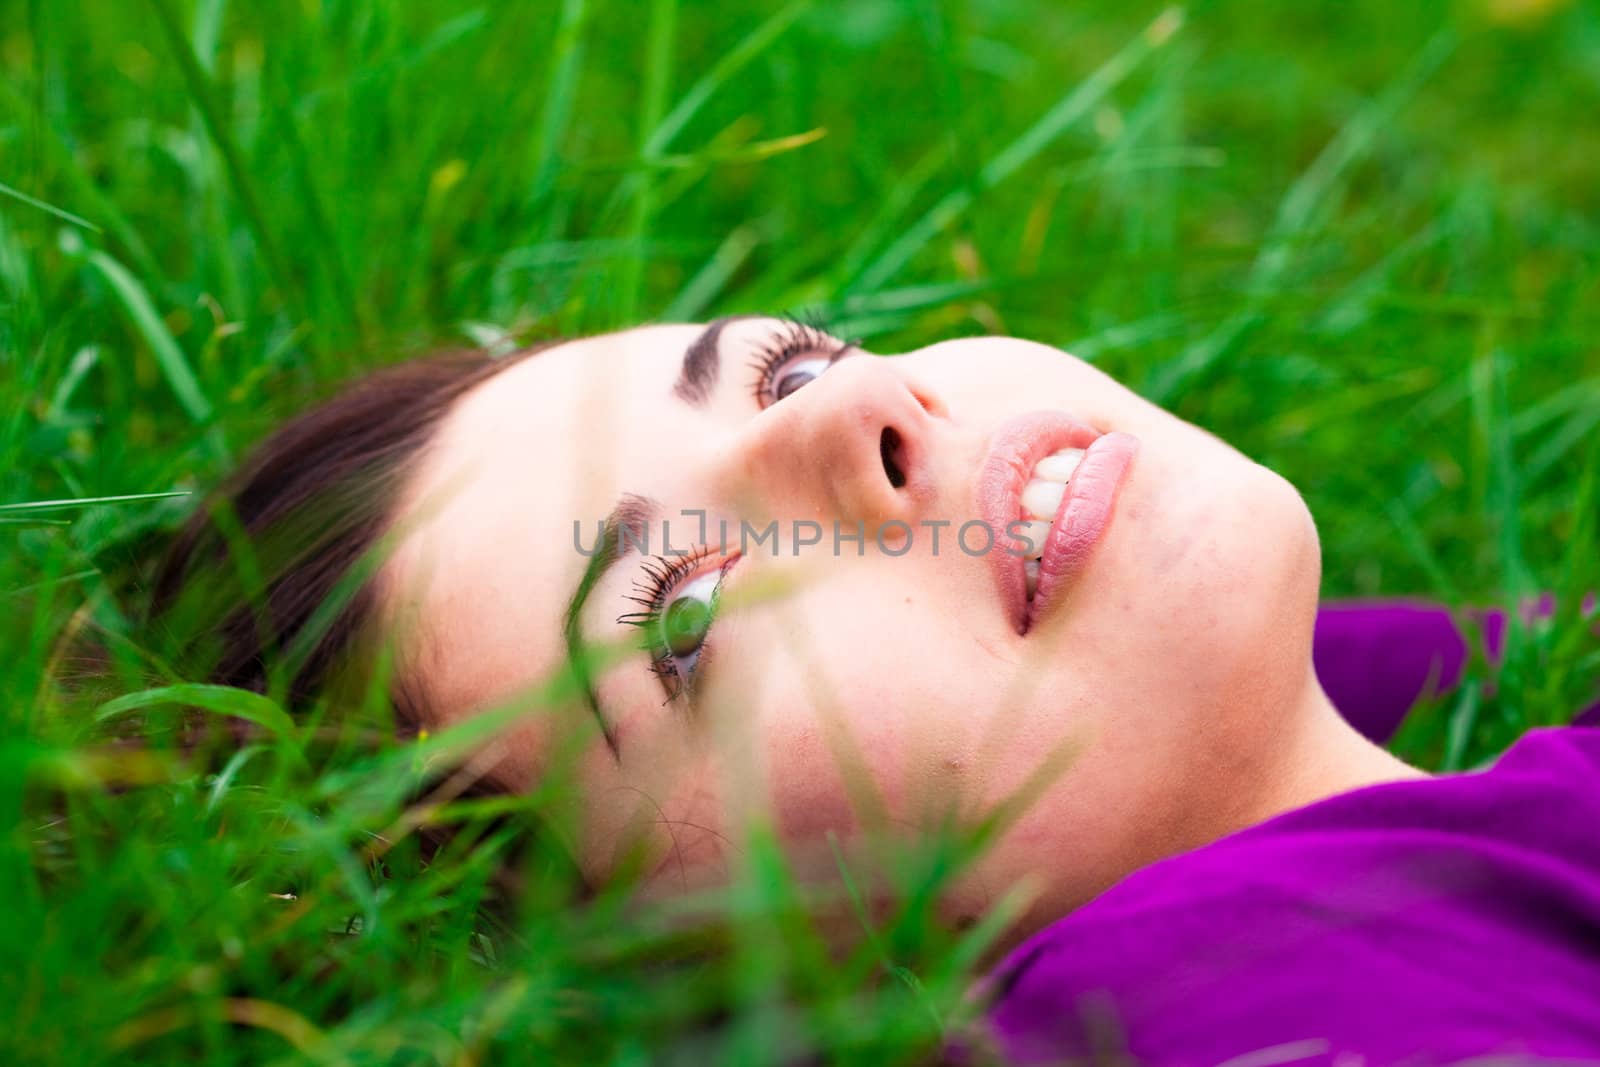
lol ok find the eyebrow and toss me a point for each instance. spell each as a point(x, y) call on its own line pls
point(632, 513)
point(702, 362)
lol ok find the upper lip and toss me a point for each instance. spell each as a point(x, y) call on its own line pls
point(1015, 447)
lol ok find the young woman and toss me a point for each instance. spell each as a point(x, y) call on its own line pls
point(800, 586)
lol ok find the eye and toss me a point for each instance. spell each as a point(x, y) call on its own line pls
point(676, 614)
point(686, 619)
point(795, 355)
point(798, 373)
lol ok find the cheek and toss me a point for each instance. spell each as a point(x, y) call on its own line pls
point(1218, 527)
point(814, 788)
point(860, 693)
point(1211, 588)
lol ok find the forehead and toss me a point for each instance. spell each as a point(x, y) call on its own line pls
point(487, 558)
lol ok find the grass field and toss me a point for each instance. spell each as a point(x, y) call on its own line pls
point(1358, 238)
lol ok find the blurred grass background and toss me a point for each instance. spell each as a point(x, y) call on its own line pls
point(1360, 239)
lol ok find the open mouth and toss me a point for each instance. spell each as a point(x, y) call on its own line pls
point(1050, 484)
point(1041, 499)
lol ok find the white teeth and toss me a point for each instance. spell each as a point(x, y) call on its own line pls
point(1059, 466)
point(1041, 498)
point(1034, 533)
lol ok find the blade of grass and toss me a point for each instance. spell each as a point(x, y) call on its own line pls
point(327, 239)
point(1423, 552)
point(1052, 124)
point(899, 199)
point(201, 93)
point(1578, 429)
point(560, 91)
point(76, 220)
point(60, 153)
point(1298, 215)
point(1504, 478)
point(78, 368)
point(711, 279)
point(657, 83)
point(88, 501)
point(217, 699)
point(1463, 718)
point(751, 152)
point(661, 130)
point(1570, 682)
point(723, 70)
point(169, 356)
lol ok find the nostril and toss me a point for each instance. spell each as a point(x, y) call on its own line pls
point(890, 448)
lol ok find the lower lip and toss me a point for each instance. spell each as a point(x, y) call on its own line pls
point(1081, 519)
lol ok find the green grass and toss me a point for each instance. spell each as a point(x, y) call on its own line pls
point(1360, 239)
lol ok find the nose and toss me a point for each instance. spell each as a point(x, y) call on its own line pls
point(851, 445)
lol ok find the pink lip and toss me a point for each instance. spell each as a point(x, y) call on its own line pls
point(1080, 522)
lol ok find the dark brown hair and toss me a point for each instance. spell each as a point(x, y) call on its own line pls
point(268, 585)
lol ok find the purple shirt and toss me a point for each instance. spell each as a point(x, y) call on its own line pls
point(1426, 920)
point(1377, 658)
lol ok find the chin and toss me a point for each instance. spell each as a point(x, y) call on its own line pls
point(1262, 598)
point(1296, 564)
point(1224, 558)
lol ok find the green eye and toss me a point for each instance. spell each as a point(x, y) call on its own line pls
point(684, 625)
point(678, 615)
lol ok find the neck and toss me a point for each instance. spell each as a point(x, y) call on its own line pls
point(1317, 755)
point(1323, 756)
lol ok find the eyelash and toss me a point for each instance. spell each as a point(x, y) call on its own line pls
point(663, 574)
point(793, 337)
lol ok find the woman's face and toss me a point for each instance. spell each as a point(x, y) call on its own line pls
point(786, 675)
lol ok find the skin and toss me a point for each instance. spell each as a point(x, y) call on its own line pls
point(1167, 699)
